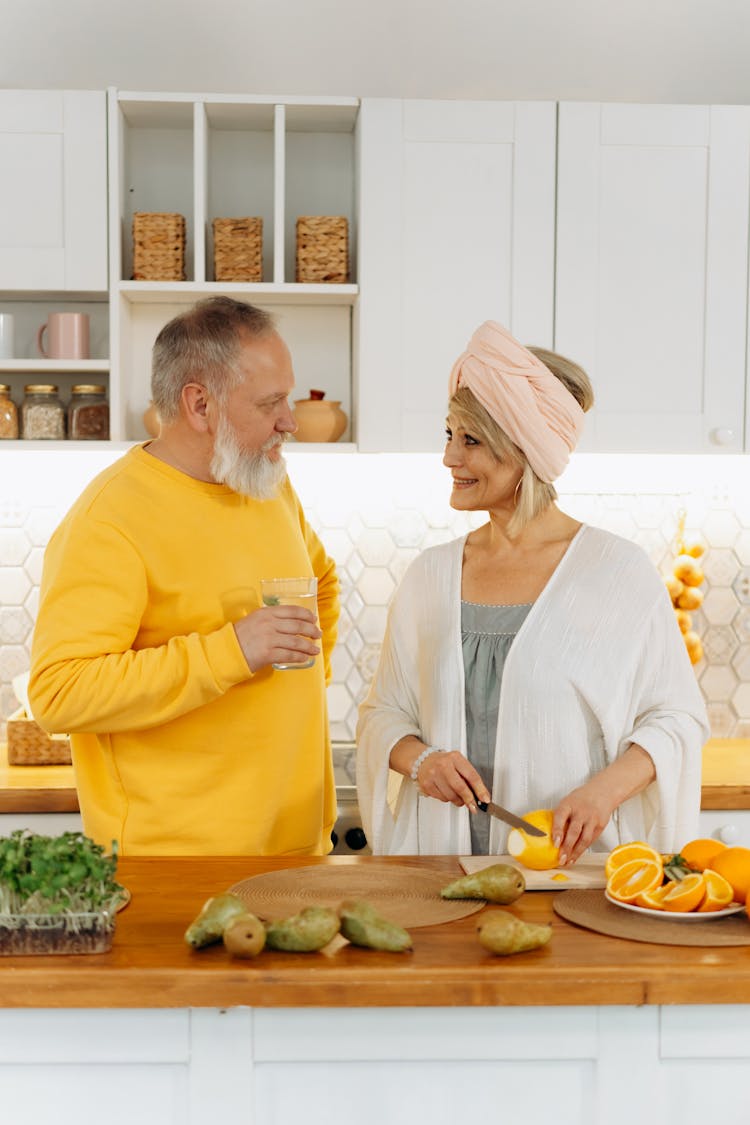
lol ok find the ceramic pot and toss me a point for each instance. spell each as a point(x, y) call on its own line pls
point(319, 420)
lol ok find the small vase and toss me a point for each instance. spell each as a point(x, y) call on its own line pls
point(318, 420)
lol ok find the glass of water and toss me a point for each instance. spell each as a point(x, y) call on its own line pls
point(291, 591)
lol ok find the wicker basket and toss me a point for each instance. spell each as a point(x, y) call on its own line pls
point(238, 249)
point(29, 745)
point(322, 248)
point(158, 246)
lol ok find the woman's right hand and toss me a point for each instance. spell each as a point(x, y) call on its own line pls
point(449, 776)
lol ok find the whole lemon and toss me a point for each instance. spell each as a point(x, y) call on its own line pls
point(535, 852)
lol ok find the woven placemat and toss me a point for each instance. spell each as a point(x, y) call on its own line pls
point(591, 910)
point(407, 895)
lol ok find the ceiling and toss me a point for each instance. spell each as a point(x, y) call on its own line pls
point(609, 50)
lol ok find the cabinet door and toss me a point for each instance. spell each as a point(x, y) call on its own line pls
point(651, 284)
point(456, 226)
point(53, 190)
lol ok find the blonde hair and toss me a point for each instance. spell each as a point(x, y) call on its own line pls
point(533, 495)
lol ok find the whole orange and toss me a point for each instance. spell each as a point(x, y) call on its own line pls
point(734, 864)
point(699, 853)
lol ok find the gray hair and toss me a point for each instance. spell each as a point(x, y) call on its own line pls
point(201, 345)
point(533, 495)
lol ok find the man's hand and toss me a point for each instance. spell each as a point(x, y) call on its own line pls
point(277, 634)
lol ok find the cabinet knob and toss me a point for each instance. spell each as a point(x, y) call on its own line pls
point(728, 834)
point(722, 435)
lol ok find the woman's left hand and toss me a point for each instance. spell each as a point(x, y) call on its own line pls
point(579, 819)
point(582, 816)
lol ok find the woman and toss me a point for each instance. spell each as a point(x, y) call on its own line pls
point(536, 661)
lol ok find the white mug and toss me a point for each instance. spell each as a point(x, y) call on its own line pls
point(68, 336)
point(7, 345)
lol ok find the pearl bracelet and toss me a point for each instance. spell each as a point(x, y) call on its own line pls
point(418, 761)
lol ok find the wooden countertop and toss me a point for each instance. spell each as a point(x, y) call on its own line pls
point(150, 966)
point(38, 789)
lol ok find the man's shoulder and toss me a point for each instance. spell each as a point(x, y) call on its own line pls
point(116, 480)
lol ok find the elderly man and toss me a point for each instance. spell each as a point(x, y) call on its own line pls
point(152, 648)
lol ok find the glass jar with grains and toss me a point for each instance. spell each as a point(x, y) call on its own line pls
point(42, 413)
point(8, 414)
point(88, 413)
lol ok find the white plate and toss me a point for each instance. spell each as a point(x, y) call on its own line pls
point(676, 916)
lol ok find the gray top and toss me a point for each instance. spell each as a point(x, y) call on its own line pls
point(487, 632)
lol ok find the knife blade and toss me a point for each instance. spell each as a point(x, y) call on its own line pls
point(510, 818)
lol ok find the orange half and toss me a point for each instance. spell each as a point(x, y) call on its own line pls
point(623, 853)
point(634, 878)
point(685, 895)
point(719, 893)
point(652, 900)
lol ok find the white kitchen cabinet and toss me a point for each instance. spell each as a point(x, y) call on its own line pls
point(457, 226)
point(731, 826)
point(53, 191)
point(651, 276)
point(53, 229)
point(219, 156)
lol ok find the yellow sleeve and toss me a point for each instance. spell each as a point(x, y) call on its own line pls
point(86, 676)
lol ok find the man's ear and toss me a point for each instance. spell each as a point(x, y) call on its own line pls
point(195, 405)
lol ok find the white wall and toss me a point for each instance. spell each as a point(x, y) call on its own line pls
point(608, 50)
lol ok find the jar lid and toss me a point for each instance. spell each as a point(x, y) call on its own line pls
point(4, 389)
point(40, 389)
point(87, 389)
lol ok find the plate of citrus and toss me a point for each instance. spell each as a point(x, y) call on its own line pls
point(704, 881)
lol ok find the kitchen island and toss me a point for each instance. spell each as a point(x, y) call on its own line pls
point(588, 1029)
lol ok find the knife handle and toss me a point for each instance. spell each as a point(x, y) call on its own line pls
point(482, 805)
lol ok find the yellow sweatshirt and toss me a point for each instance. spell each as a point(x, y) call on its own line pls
point(178, 748)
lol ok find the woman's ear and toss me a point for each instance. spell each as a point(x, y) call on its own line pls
point(195, 404)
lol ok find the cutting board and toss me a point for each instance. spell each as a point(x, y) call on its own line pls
point(587, 873)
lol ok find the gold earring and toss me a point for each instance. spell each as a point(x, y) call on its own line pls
point(515, 492)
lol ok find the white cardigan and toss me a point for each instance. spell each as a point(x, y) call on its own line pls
point(598, 664)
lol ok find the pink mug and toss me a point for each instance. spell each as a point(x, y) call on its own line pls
point(67, 336)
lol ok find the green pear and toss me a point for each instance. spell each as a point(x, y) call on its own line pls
point(362, 925)
point(500, 883)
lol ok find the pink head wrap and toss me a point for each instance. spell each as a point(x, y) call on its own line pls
point(527, 401)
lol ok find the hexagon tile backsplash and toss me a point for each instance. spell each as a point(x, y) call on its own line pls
point(376, 512)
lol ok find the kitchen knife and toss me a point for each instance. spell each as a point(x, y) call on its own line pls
point(510, 818)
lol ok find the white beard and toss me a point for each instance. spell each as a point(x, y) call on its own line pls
point(250, 474)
